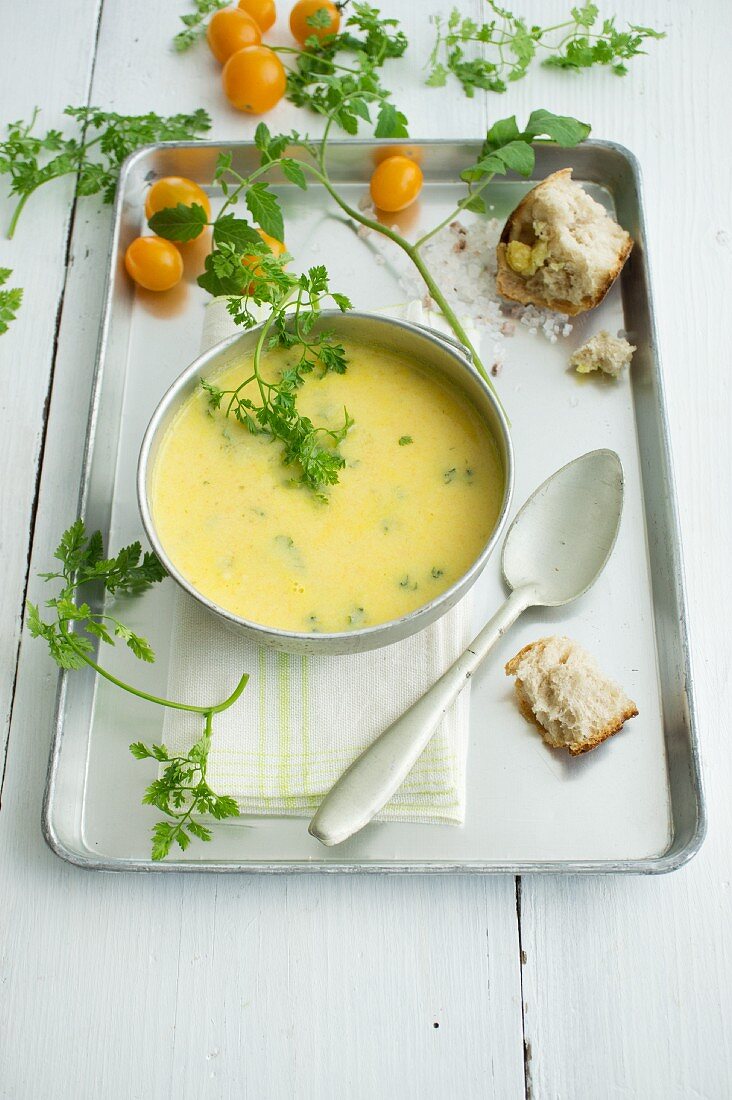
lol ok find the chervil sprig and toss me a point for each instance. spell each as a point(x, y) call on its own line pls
point(194, 22)
point(10, 300)
point(94, 153)
point(181, 791)
point(490, 55)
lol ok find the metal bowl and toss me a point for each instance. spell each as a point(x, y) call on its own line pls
point(440, 354)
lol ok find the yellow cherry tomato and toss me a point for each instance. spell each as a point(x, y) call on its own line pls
point(263, 12)
point(231, 30)
point(395, 183)
point(306, 9)
point(154, 263)
point(277, 248)
point(173, 190)
point(254, 80)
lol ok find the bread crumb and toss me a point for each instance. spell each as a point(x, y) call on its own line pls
point(560, 249)
point(603, 352)
point(560, 687)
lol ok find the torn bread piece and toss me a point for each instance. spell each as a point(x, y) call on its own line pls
point(560, 249)
point(561, 688)
point(603, 352)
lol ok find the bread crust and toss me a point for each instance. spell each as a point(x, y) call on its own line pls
point(602, 735)
point(575, 748)
point(513, 287)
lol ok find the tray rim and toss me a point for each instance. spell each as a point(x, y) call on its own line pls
point(649, 865)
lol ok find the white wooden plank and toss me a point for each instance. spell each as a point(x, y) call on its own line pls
point(331, 989)
point(246, 987)
point(37, 257)
point(627, 981)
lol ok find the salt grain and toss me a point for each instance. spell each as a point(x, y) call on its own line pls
point(462, 256)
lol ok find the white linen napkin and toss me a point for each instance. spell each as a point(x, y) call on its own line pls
point(302, 720)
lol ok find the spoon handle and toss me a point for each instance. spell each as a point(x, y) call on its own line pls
point(381, 768)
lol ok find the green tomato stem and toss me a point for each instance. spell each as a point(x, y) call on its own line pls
point(411, 251)
point(455, 213)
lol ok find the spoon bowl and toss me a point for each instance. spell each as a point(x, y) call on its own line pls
point(562, 537)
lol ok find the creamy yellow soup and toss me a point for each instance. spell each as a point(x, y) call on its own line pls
point(414, 506)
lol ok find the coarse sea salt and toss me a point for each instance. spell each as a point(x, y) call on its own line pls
point(462, 257)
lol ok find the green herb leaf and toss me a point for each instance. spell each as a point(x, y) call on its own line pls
point(476, 204)
point(237, 233)
point(10, 300)
point(264, 207)
point(390, 123)
point(339, 76)
point(179, 223)
point(566, 131)
point(294, 173)
point(181, 791)
point(320, 19)
point(296, 303)
point(493, 54)
point(195, 23)
point(95, 152)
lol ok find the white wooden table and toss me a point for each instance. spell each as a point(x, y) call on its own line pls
point(124, 986)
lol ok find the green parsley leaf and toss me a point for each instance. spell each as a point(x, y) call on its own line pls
point(195, 23)
point(181, 791)
point(10, 300)
point(491, 55)
point(340, 75)
point(95, 152)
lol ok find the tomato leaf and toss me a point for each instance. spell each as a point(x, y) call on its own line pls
point(564, 130)
point(476, 204)
point(264, 207)
point(517, 156)
point(228, 229)
point(390, 122)
point(179, 223)
point(294, 173)
point(220, 278)
point(501, 133)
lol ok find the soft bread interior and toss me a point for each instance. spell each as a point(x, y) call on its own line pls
point(560, 249)
point(560, 685)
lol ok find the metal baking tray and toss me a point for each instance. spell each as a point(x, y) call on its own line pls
point(636, 804)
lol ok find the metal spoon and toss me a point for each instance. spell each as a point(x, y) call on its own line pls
point(555, 549)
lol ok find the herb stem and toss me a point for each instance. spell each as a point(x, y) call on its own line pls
point(454, 214)
point(17, 212)
point(323, 60)
point(170, 703)
point(411, 251)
